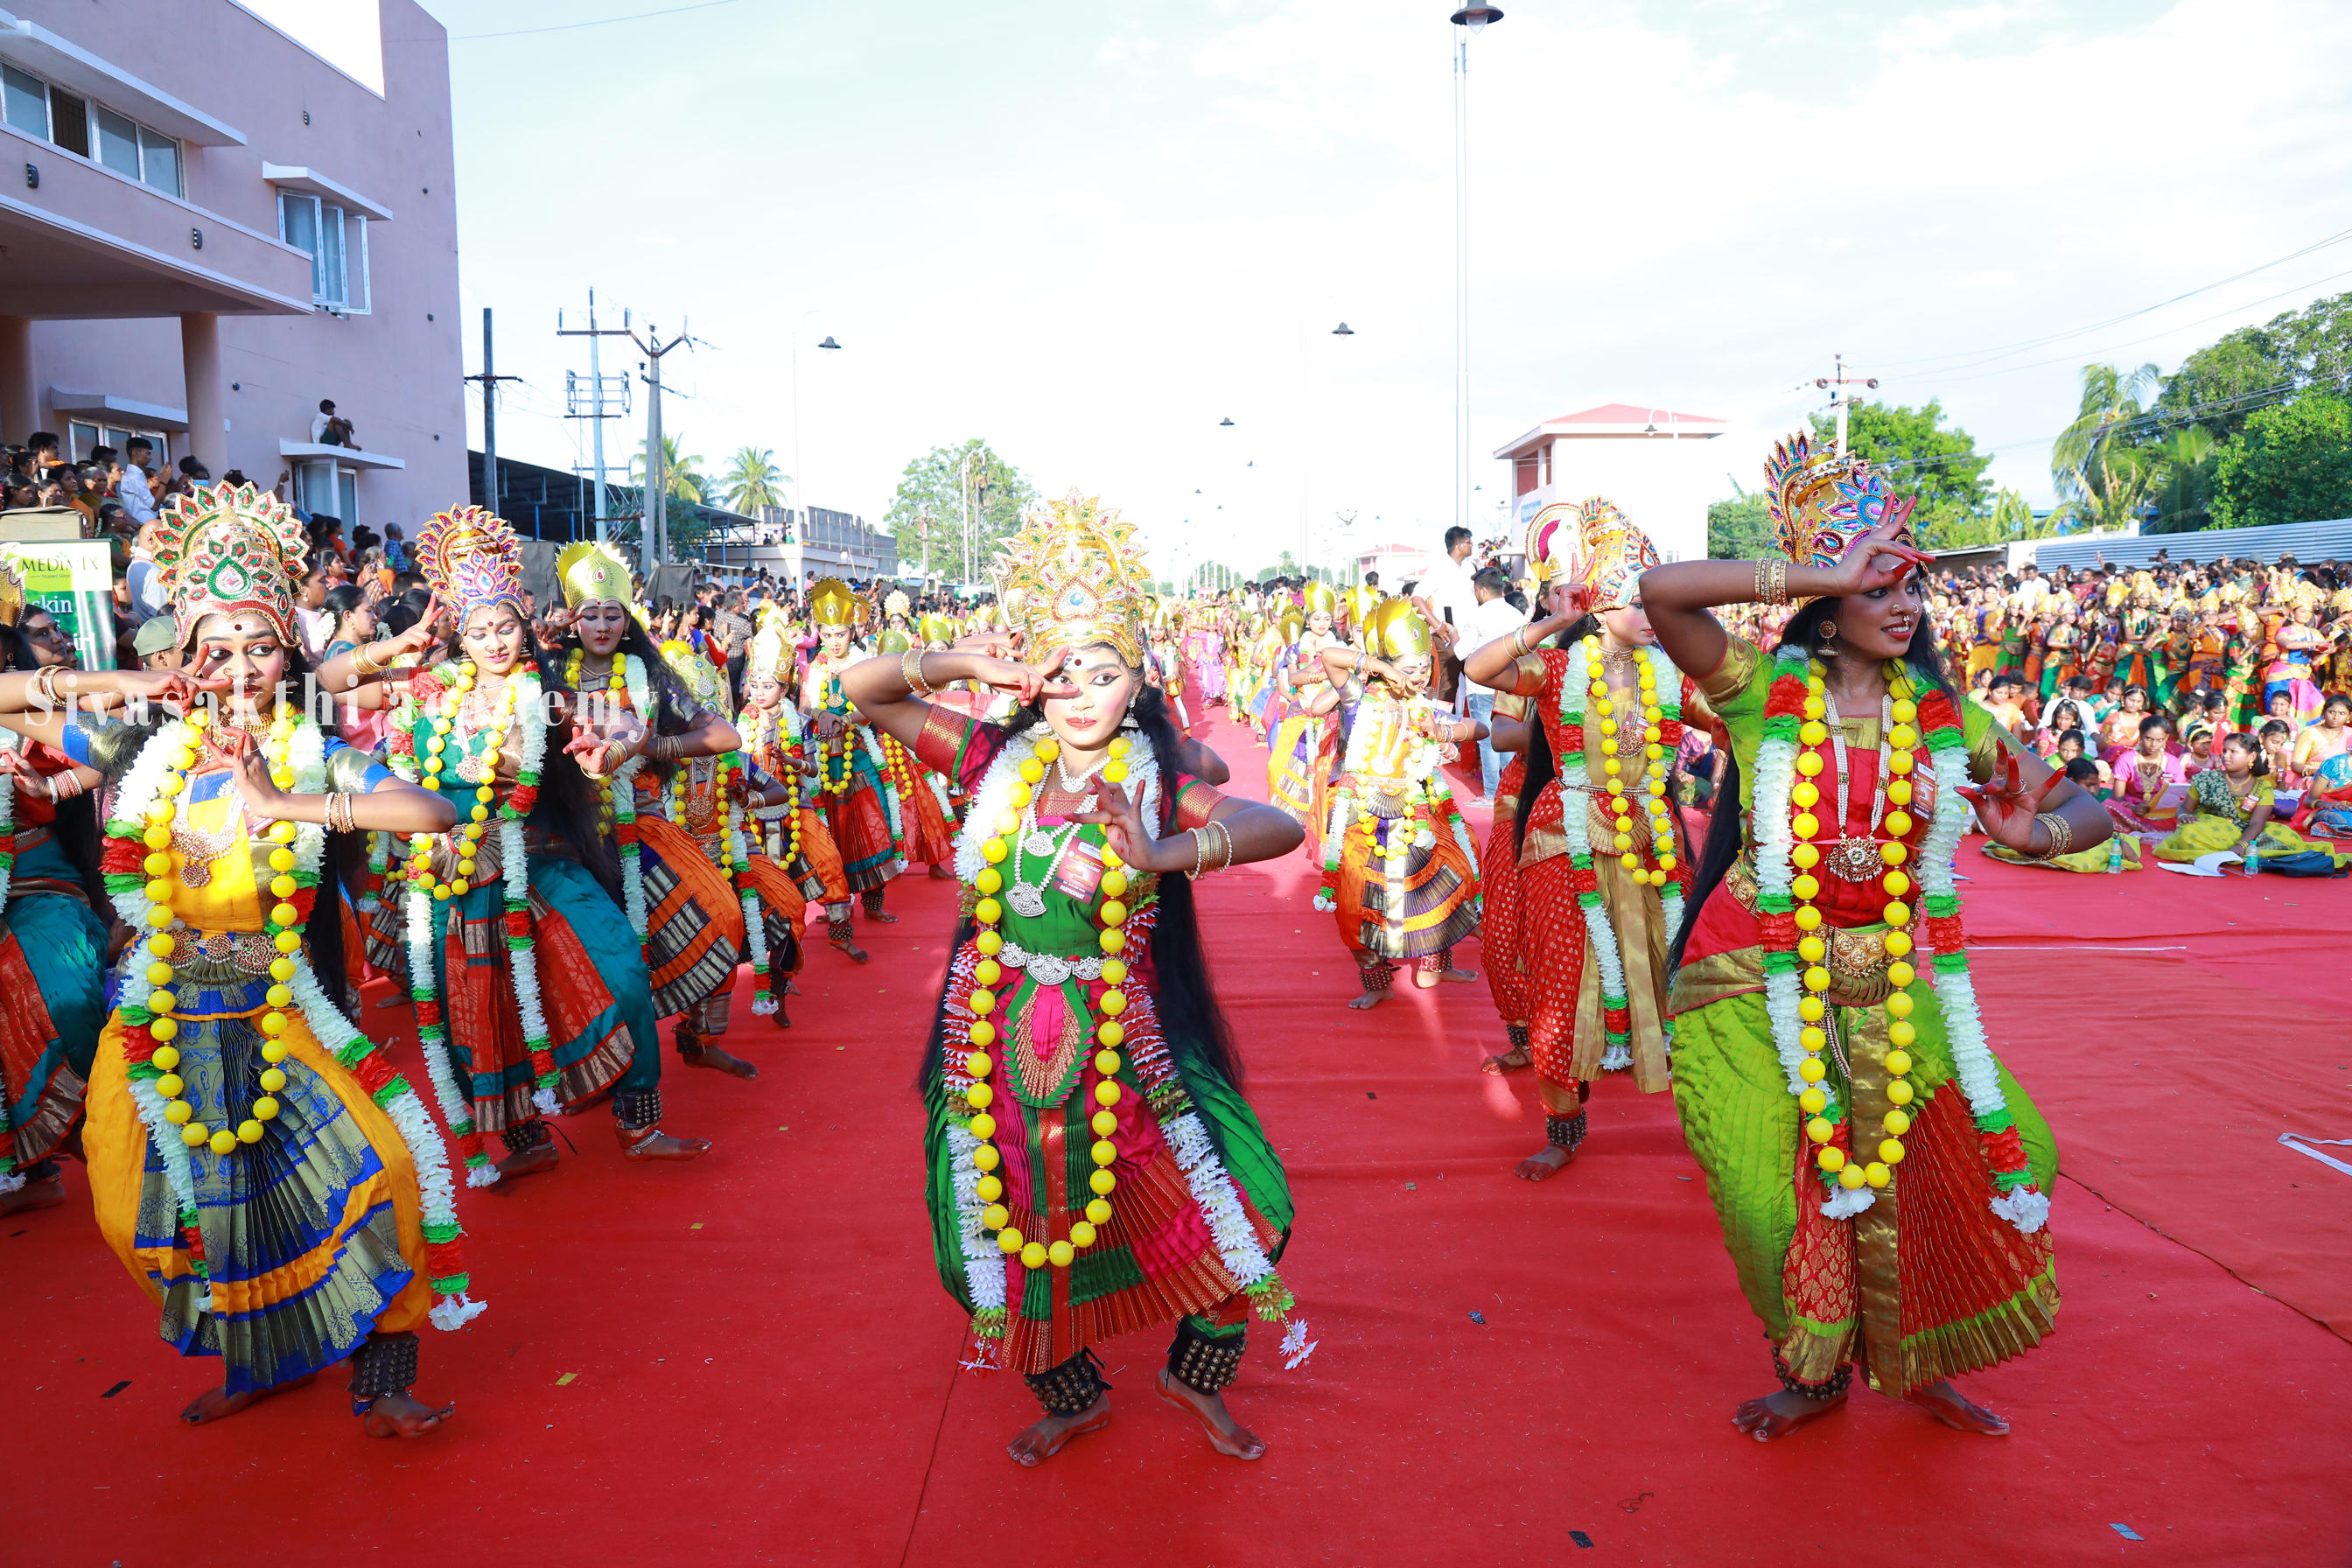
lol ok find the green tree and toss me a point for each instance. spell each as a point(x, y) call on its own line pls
point(1739, 528)
point(2011, 516)
point(2293, 464)
point(927, 511)
point(752, 480)
point(2103, 479)
point(681, 475)
point(2223, 384)
point(1938, 465)
point(2190, 456)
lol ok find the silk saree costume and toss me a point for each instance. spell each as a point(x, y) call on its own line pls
point(53, 977)
point(1928, 1282)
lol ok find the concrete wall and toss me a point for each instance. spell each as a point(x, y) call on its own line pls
point(1664, 484)
point(396, 371)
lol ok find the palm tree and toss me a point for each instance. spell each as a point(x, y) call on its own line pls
point(2188, 464)
point(2100, 476)
point(752, 480)
point(681, 475)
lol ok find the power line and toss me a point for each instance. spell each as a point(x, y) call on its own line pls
point(1986, 356)
point(596, 22)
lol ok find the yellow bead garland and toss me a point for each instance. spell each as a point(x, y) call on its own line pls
point(1652, 777)
point(617, 686)
point(469, 838)
point(163, 1002)
point(1812, 1008)
point(1110, 1034)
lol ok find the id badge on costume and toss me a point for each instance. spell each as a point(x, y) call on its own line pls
point(1079, 872)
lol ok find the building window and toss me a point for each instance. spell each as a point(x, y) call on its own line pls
point(89, 131)
point(83, 437)
point(336, 243)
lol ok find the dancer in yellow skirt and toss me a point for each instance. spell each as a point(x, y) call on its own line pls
point(265, 1175)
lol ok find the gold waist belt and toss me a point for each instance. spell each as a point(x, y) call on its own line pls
point(1857, 957)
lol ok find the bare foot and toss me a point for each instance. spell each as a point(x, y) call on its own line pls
point(1037, 1444)
point(219, 1404)
point(882, 917)
point(1544, 1163)
point(1427, 979)
point(851, 951)
point(939, 873)
point(398, 1415)
point(1780, 1412)
point(529, 1163)
point(1369, 1000)
point(653, 1143)
point(1227, 1435)
point(45, 1193)
point(1516, 1060)
point(717, 1061)
point(1956, 1410)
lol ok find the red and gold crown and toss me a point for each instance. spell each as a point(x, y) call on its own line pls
point(472, 559)
point(1073, 577)
point(1611, 555)
point(226, 549)
point(1822, 502)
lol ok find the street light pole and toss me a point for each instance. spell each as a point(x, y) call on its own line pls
point(800, 486)
point(1467, 21)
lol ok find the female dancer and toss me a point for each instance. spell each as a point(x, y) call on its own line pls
point(52, 946)
point(1078, 1005)
point(616, 689)
point(1399, 876)
point(1501, 926)
point(524, 971)
point(1610, 707)
point(1881, 1181)
point(861, 804)
point(1305, 741)
point(257, 1165)
point(795, 833)
point(926, 825)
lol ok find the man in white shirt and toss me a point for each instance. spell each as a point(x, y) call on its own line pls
point(2032, 595)
point(1490, 618)
point(131, 487)
point(1447, 588)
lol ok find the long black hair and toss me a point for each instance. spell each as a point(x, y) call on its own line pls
point(1190, 1017)
point(1726, 830)
point(1543, 766)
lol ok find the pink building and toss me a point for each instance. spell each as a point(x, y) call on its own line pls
point(210, 221)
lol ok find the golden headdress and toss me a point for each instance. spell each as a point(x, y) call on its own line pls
point(1293, 624)
point(1362, 600)
point(1073, 577)
point(769, 652)
point(832, 603)
point(589, 572)
point(472, 559)
point(1396, 630)
point(1612, 556)
point(222, 549)
point(1822, 503)
point(700, 676)
point(898, 603)
point(893, 640)
point(1320, 596)
point(1551, 542)
point(936, 628)
point(12, 593)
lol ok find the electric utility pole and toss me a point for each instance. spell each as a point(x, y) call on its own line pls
point(655, 529)
point(1839, 400)
point(595, 394)
point(489, 419)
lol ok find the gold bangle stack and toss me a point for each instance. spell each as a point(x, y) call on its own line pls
point(1772, 582)
point(2062, 837)
point(1201, 866)
point(337, 813)
point(363, 660)
point(910, 667)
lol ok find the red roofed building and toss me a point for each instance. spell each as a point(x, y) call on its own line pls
point(1659, 465)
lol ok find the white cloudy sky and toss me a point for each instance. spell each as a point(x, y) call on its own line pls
point(1090, 233)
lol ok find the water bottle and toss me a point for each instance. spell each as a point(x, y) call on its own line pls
point(2254, 859)
point(2115, 854)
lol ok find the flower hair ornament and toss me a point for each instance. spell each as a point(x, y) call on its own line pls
point(225, 549)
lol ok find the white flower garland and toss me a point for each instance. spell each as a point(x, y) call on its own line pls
point(306, 756)
point(994, 796)
point(883, 786)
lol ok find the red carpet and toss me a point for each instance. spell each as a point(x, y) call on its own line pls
point(750, 1360)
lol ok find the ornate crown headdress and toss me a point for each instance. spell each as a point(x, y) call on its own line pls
point(12, 593)
point(1073, 577)
point(1293, 624)
point(767, 654)
point(472, 559)
point(832, 603)
point(1551, 541)
point(893, 640)
point(1396, 630)
point(1320, 596)
point(700, 676)
point(1362, 600)
point(1821, 502)
point(937, 628)
point(1612, 556)
point(898, 603)
point(590, 571)
point(227, 548)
